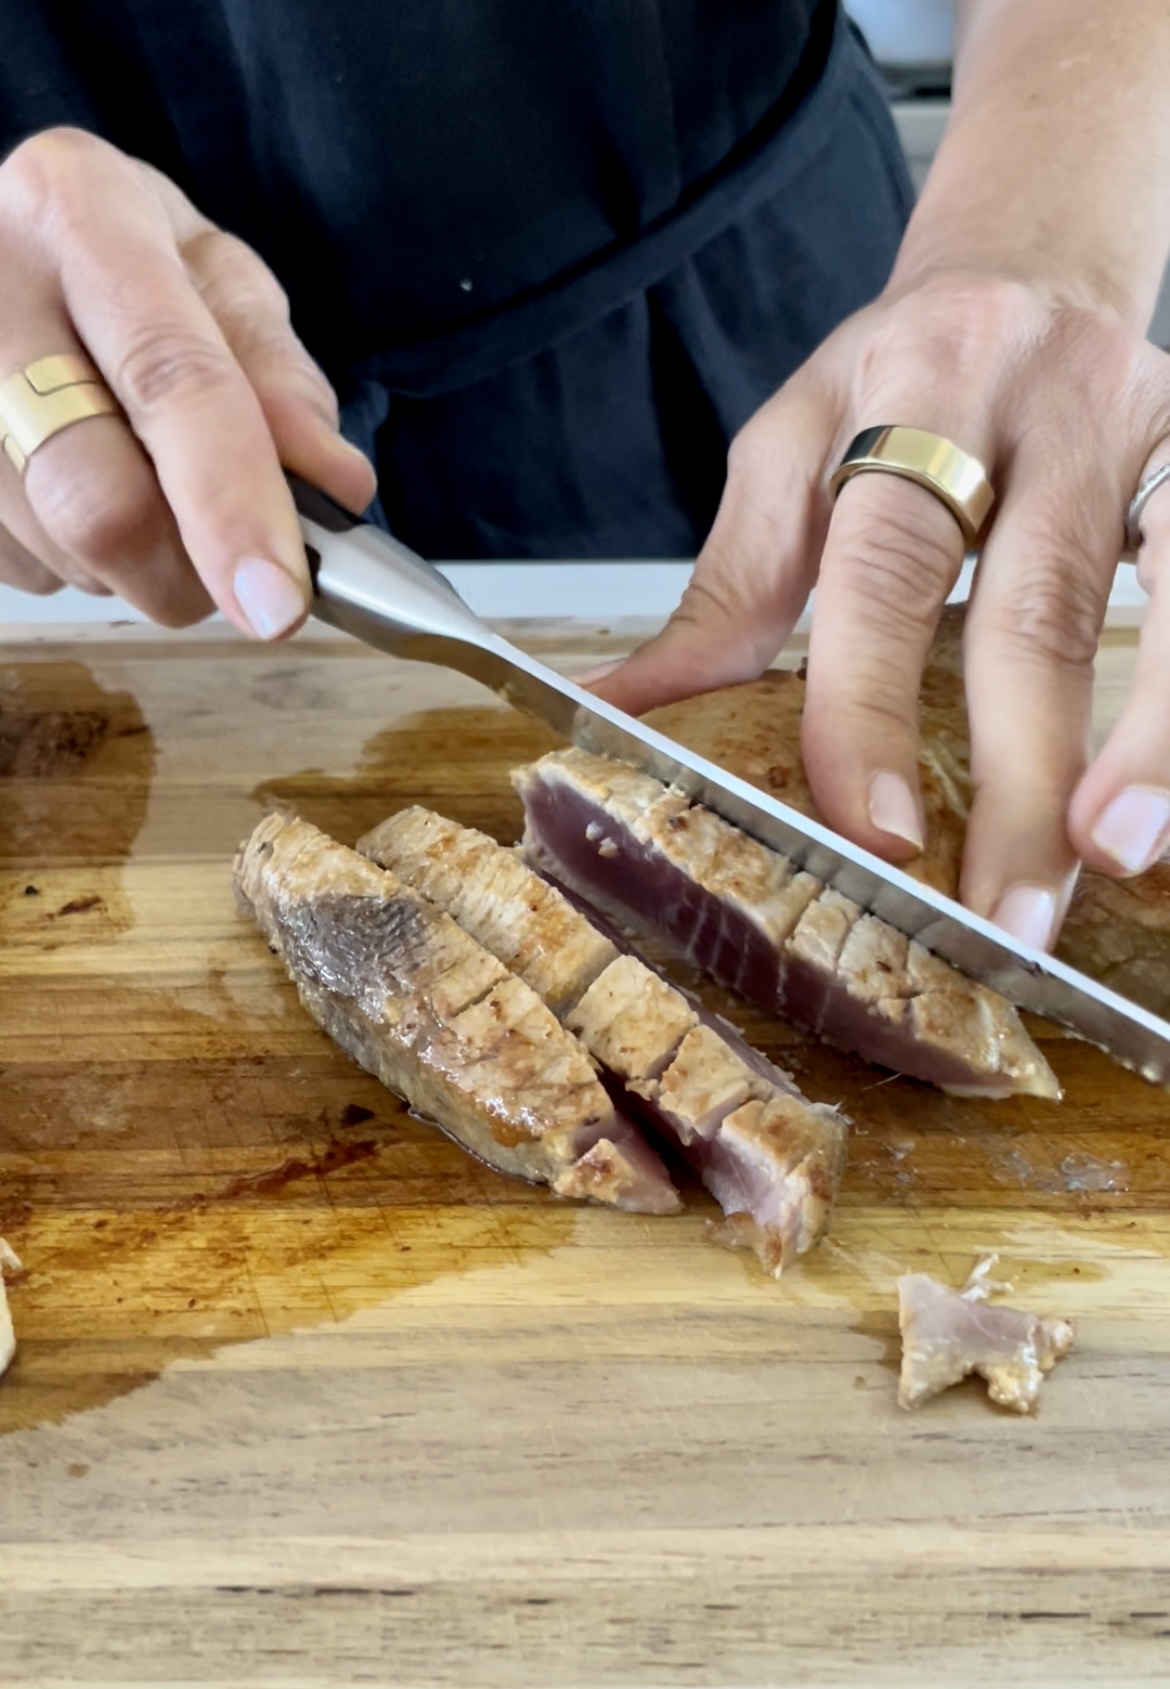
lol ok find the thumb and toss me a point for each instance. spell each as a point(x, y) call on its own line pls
point(751, 580)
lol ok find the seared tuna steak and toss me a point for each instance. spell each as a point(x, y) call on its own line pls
point(789, 944)
point(1118, 931)
point(416, 1001)
point(771, 1158)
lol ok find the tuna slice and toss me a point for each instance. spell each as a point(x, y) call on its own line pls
point(949, 1334)
point(416, 1001)
point(1118, 931)
point(794, 947)
point(771, 1158)
point(9, 1263)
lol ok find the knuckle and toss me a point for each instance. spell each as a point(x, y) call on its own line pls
point(750, 452)
point(171, 366)
point(962, 324)
point(221, 263)
point(19, 570)
point(727, 620)
point(44, 176)
point(181, 610)
point(770, 443)
point(871, 705)
point(91, 586)
point(41, 584)
point(1051, 615)
point(93, 520)
point(279, 367)
point(702, 602)
point(899, 551)
point(1101, 367)
point(704, 607)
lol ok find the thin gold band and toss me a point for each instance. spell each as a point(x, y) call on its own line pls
point(953, 476)
point(45, 397)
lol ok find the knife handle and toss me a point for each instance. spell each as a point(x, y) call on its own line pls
point(377, 589)
point(318, 507)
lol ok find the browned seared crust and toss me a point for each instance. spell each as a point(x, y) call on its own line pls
point(706, 1080)
point(781, 938)
point(810, 1146)
point(406, 992)
point(553, 947)
point(643, 1032)
point(753, 730)
point(1118, 931)
point(727, 863)
point(632, 1020)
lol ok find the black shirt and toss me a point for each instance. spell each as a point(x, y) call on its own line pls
point(417, 170)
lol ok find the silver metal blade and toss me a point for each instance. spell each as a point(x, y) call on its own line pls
point(376, 589)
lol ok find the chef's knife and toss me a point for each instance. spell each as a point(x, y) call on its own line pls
point(376, 589)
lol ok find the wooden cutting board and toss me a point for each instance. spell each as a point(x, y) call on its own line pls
point(306, 1396)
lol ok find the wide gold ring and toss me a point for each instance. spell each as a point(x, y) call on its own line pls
point(45, 397)
point(953, 476)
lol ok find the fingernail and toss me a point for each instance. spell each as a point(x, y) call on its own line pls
point(1133, 829)
point(892, 808)
point(1028, 913)
point(268, 596)
point(588, 676)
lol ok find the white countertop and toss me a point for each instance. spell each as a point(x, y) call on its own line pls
point(498, 591)
point(597, 593)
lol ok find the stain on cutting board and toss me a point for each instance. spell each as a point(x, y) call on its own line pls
point(76, 764)
point(167, 1204)
point(455, 760)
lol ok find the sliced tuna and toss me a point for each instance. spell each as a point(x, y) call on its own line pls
point(770, 1157)
point(522, 920)
point(416, 1001)
point(1118, 931)
point(780, 938)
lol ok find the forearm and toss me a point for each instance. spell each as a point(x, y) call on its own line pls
point(1056, 163)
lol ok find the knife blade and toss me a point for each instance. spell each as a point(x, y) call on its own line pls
point(373, 587)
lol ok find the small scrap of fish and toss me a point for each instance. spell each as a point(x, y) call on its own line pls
point(9, 1263)
point(771, 1158)
point(417, 1002)
point(765, 929)
point(949, 1334)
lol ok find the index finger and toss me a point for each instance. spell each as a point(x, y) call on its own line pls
point(184, 394)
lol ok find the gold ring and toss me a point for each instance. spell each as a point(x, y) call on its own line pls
point(45, 397)
point(953, 476)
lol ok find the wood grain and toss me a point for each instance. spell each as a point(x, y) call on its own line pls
point(306, 1396)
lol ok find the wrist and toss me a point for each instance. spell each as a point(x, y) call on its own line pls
point(1053, 167)
point(948, 258)
point(1065, 260)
